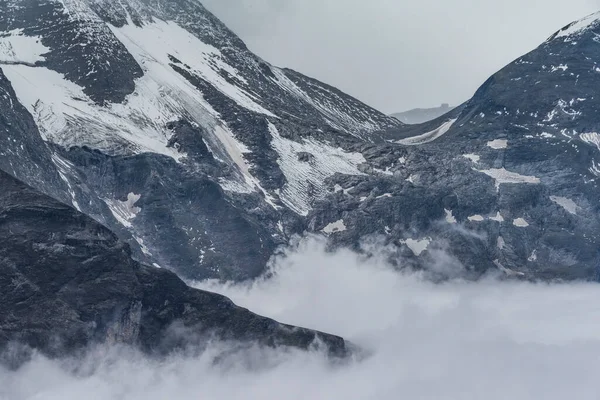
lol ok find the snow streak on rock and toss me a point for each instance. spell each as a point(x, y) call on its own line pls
point(571, 31)
point(306, 179)
point(428, 136)
point(501, 175)
point(124, 211)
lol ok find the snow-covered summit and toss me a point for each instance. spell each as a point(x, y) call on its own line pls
point(576, 28)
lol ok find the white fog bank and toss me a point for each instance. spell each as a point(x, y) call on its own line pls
point(487, 340)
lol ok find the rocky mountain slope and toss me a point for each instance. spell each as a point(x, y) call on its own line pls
point(508, 182)
point(157, 121)
point(154, 119)
point(68, 282)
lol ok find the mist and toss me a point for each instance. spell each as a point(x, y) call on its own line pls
point(455, 340)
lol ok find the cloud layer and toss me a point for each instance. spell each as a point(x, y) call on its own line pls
point(487, 340)
point(396, 55)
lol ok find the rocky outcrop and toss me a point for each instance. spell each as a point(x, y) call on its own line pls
point(68, 282)
point(507, 182)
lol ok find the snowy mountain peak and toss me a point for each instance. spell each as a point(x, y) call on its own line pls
point(156, 120)
point(576, 28)
point(175, 52)
point(163, 93)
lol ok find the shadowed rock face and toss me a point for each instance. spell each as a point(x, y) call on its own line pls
point(512, 184)
point(68, 282)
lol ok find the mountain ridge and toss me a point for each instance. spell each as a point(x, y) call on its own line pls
point(144, 139)
point(69, 283)
point(206, 107)
point(207, 158)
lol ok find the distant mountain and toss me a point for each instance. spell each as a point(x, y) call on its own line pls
point(421, 115)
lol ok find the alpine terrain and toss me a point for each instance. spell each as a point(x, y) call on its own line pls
point(142, 136)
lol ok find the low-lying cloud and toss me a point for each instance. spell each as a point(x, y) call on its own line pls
point(455, 340)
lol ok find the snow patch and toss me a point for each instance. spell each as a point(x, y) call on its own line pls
point(473, 157)
point(65, 168)
point(507, 271)
point(124, 211)
point(18, 48)
point(429, 136)
point(501, 175)
point(562, 107)
point(337, 226)
point(144, 248)
point(577, 28)
point(566, 203)
point(417, 246)
point(591, 138)
point(498, 144)
point(157, 40)
point(521, 223)
point(65, 115)
point(235, 151)
point(561, 67)
point(385, 171)
point(449, 217)
point(533, 257)
point(497, 218)
point(476, 218)
point(328, 106)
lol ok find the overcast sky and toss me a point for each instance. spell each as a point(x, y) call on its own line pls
point(398, 54)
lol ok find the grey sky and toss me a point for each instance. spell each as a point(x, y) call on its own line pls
point(397, 54)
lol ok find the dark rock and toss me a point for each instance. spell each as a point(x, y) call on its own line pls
point(535, 120)
point(67, 282)
point(254, 154)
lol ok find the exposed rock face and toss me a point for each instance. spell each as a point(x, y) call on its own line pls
point(154, 119)
point(159, 100)
point(507, 181)
point(68, 282)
